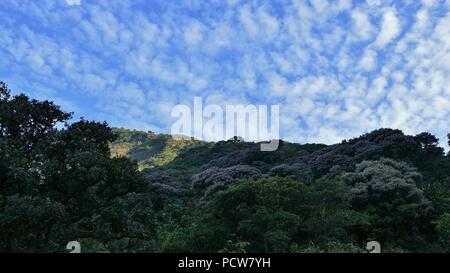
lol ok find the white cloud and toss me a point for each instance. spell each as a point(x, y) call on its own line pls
point(334, 78)
point(247, 20)
point(368, 61)
point(362, 26)
point(193, 33)
point(390, 29)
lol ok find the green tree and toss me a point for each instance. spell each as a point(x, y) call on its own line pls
point(62, 185)
point(388, 192)
point(443, 229)
point(275, 214)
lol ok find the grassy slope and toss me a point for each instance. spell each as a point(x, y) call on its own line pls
point(149, 149)
point(153, 151)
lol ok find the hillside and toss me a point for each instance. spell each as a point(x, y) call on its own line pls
point(381, 170)
point(149, 149)
point(116, 190)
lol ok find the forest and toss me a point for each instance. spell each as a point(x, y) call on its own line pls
point(120, 190)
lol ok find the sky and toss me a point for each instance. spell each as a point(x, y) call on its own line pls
point(337, 69)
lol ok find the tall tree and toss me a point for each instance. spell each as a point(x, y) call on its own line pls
point(59, 185)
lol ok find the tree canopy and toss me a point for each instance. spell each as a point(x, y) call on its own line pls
point(60, 185)
point(117, 190)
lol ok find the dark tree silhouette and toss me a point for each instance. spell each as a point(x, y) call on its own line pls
point(62, 185)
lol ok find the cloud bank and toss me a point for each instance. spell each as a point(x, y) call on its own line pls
point(337, 68)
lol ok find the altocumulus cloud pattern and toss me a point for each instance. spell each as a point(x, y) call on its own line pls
point(337, 68)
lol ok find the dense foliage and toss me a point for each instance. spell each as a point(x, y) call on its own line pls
point(117, 190)
point(62, 185)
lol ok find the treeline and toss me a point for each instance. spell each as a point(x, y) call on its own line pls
point(80, 181)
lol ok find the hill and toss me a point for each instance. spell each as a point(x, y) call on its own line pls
point(391, 180)
point(149, 149)
point(116, 190)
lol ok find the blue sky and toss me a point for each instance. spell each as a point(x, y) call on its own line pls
point(337, 68)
